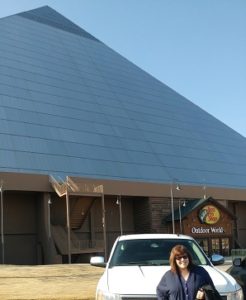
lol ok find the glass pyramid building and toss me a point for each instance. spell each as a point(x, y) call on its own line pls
point(71, 106)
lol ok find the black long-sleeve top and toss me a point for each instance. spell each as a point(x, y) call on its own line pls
point(171, 287)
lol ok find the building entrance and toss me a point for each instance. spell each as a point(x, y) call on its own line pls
point(209, 222)
point(216, 245)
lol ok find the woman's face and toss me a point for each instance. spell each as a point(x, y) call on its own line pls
point(182, 261)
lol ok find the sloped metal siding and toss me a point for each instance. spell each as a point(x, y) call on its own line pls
point(71, 106)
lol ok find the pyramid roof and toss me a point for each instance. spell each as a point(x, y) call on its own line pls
point(71, 106)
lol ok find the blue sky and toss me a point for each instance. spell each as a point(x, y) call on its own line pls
point(197, 47)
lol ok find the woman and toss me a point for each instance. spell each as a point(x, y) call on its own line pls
point(184, 279)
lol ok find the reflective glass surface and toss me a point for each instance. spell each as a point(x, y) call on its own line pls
point(70, 105)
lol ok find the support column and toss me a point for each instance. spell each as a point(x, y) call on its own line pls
point(2, 229)
point(68, 227)
point(104, 229)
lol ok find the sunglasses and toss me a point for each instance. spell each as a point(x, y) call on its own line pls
point(181, 256)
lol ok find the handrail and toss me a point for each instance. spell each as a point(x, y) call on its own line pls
point(84, 187)
point(59, 187)
point(86, 244)
point(238, 253)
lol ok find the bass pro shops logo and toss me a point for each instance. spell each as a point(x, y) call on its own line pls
point(209, 214)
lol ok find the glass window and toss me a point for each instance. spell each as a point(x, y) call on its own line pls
point(215, 245)
point(152, 252)
point(225, 246)
point(204, 244)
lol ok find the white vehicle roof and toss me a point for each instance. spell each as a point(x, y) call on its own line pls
point(154, 236)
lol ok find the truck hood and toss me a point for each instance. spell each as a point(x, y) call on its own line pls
point(144, 279)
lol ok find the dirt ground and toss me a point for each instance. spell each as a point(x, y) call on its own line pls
point(53, 282)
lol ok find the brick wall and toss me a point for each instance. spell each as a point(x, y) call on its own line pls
point(160, 208)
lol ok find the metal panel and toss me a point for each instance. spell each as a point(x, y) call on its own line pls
point(78, 108)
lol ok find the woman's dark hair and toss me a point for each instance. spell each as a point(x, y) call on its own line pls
point(179, 250)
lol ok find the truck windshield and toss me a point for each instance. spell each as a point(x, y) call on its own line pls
point(147, 252)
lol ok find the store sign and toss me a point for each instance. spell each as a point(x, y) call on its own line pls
point(209, 214)
point(210, 230)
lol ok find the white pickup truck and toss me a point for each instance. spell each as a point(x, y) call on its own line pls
point(137, 262)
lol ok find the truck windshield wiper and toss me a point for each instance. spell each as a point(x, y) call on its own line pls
point(151, 263)
point(140, 264)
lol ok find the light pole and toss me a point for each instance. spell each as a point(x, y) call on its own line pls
point(172, 209)
point(104, 228)
point(172, 206)
point(118, 202)
point(204, 193)
point(180, 216)
point(68, 223)
point(49, 226)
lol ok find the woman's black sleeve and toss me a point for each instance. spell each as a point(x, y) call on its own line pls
point(161, 290)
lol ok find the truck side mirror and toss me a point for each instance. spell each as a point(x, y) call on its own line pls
point(97, 261)
point(237, 262)
point(217, 259)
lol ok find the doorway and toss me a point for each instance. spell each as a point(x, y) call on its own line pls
point(215, 245)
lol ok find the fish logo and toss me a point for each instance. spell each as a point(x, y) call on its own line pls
point(209, 214)
point(202, 215)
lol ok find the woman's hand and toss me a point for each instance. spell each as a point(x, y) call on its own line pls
point(200, 294)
